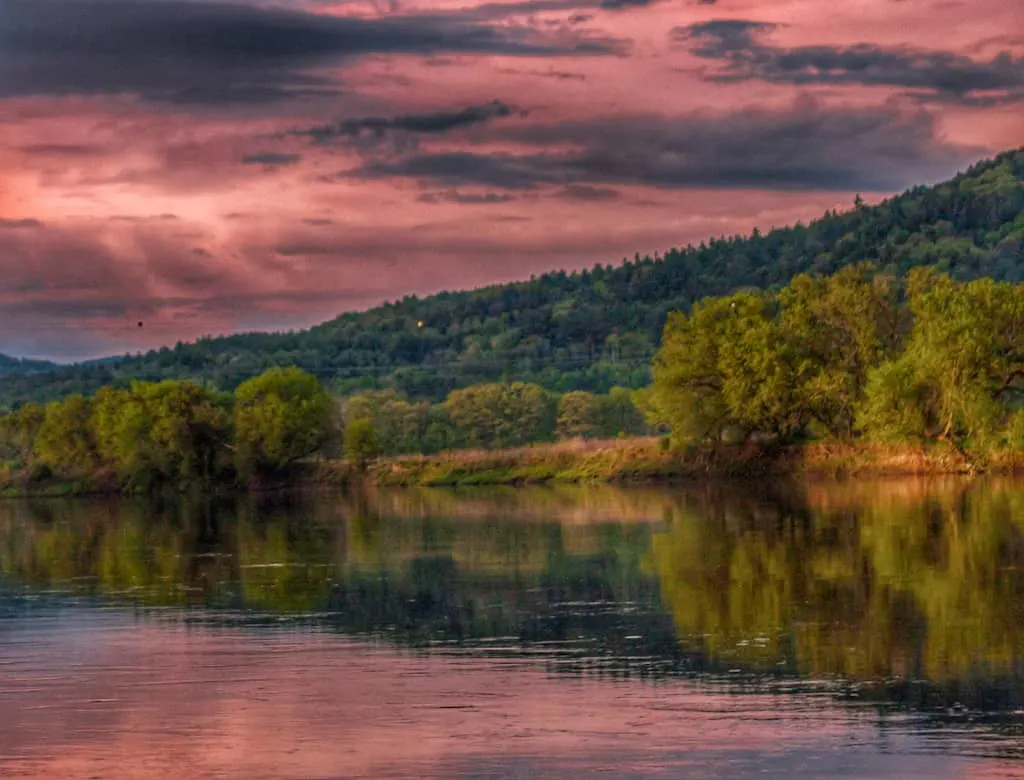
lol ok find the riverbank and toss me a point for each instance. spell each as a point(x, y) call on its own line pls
point(646, 460)
point(620, 461)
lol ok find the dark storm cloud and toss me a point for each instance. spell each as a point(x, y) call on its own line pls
point(503, 171)
point(586, 193)
point(807, 146)
point(528, 8)
point(560, 75)
point(466, 198)
point(429, 124)
point(198, 52)
point(941, 75)
point(271, 159)
point(615, 5)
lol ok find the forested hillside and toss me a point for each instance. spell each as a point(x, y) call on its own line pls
point(9, 365)
point(600, 327)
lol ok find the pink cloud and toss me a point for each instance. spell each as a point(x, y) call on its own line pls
point(618, 140)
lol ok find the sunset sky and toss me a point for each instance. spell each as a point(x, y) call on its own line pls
point(213, 167)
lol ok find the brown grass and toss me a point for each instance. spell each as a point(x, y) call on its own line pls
point(644, 460)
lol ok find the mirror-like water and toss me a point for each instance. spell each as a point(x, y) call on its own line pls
point(857, 630)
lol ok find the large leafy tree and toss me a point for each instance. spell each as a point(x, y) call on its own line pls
point(18, 431)
point(501, 415)
point(64, 441)
point(165, 432)
point(726, 366)
point(399, 425)
point(839, 327)
point(963, 367)
point(580, 415)
point(280, 417)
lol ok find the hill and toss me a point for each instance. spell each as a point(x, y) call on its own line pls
point(10, 365)
point(599, 327)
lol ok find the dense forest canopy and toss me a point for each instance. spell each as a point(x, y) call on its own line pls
point(177, 434)
point(10, 365)
point(597, 328)
point(909, 360)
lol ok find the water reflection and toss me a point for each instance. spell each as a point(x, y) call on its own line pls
point(910, 581)
point(895, 599)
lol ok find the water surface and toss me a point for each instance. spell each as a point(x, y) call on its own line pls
point(859, 630)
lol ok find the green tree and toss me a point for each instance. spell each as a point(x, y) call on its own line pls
point(620, 415)
point(501, 415)
point(839, 328)
point(64, 442)
point(400, 425)
point(579, 415)
point(164, 432)
point(895, 403)
point(18, 431)
point(280, 417)
point(361, 445)
point(595, 328)
point(967, 346)
point(726, 366)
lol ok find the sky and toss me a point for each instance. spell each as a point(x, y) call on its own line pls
point(212, 167)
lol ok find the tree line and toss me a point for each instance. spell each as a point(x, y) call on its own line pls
point(857, 354)
point(177, 433)
point(173, 433)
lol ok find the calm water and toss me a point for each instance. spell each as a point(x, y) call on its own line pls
point(849, 631)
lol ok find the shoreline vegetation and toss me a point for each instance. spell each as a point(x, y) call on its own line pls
point(641, 461)
point(646, 461)
point(858, 373)
point(884, 340)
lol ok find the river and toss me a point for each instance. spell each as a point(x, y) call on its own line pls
point(840, 630)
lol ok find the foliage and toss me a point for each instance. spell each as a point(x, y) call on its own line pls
point(839, 327)
point(399, 425)
point(597, 328)
point(171, 433)
point(968, 348)
point(281, 416)
point(160, 433)
point(361, 442)
point(843, 355)
point(893, 406)
point(64, 442)
point(501, 415)
point(18, 431)
point(9, 365)
point(579, 415)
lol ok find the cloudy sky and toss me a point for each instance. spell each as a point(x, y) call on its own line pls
point(209, 167)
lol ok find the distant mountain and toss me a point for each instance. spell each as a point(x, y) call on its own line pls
point(599, 327)
point(10, 365)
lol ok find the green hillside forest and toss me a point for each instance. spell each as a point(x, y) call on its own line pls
point(591, 330)
point(860, 355)
point(10, 365)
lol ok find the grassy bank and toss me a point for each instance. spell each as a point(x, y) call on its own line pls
point(645, 460)
point(625, 461)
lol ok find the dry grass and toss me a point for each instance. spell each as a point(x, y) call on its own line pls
point(644, 460)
